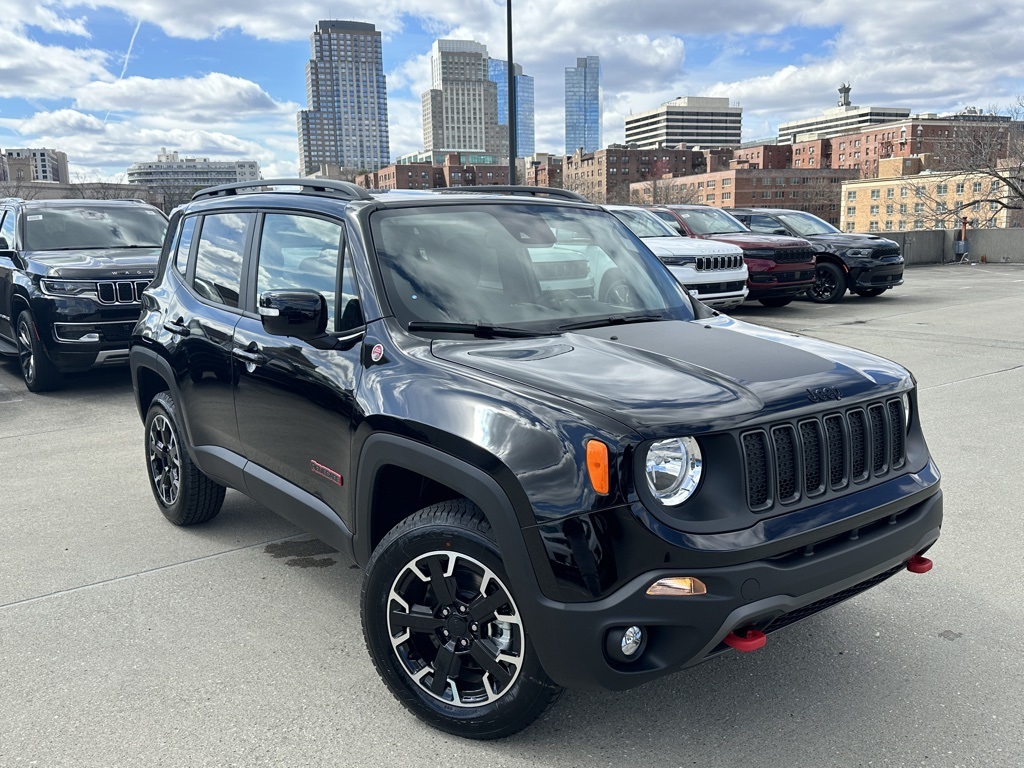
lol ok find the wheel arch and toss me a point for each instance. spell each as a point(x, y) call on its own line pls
point(151, 374)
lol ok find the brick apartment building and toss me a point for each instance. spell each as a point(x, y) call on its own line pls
point(451, 173)
point(605, 176)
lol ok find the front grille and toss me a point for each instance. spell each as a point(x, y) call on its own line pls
point(121, 291)
point(562, 270)
point(708, 263)
point(880, 253)
point(790, 461)
point(792, 255)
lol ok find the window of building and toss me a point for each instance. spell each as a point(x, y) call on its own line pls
point(851, 210)
point(959, 187)
point(873, 226)
point(976, 186)
point(942, 189)
point(851, 195)
point(875, 194)
point(888, 225)
point(873, 210)
point(890, 193)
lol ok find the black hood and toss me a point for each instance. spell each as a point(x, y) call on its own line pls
point(95, 263)
point(652, 376)
point(842, 241)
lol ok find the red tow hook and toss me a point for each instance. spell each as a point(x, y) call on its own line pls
point(918, 564)
point(751, 640)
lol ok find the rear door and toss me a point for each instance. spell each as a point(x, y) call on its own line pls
point(295, 398)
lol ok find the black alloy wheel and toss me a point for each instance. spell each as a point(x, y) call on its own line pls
point(184, 494)
point(829, 284)
point(444, 630)
point(39, 373)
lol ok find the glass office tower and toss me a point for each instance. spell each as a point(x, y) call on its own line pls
point(583, 105)
point(498, 73)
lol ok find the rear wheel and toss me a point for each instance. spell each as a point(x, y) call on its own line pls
point(829, 284)
point(869, 292)
point(776, 301)
point(184, 494)
point(38, 371)
point(443, 628)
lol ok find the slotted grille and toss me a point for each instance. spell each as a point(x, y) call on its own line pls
point(705, 263)
point(121, 291)
point(792, 255)
point(786, 462)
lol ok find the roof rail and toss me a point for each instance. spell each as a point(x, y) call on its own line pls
point(517, 189)
point(11, 200)
point(327, 187)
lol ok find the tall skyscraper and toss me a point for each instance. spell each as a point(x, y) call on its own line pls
point(460, 111)
point(347, 120)
point(498, 70)
point(583, 108)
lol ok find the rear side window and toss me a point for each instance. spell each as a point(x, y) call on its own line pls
point(218, 273)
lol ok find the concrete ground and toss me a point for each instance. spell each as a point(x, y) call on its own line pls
point(125, 641)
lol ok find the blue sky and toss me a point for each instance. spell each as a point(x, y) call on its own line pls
point(224, 80)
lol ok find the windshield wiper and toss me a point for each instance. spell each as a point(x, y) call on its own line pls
point(483, 330)
point(611, 320)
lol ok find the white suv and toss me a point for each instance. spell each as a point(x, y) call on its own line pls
point(715, 270)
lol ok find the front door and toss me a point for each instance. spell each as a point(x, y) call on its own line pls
point(294, 399)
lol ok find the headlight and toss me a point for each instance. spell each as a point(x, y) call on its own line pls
point(673, 469)
point(855, 252)
point(68, 287)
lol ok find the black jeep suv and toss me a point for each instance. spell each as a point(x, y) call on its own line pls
point(868, 265)
point(72, 274)
point(545, 488)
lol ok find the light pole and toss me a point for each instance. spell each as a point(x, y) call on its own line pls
point(511, 99)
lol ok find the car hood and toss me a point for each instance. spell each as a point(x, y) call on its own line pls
point(749, 240)
point(841, 241)
point(683, 376)
point(690, 246)
point(95, 263)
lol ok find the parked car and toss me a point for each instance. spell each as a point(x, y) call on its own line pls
point(72, 274)
point(780, 268)
point(545, 489)
point(866, 264)
point(714, 270)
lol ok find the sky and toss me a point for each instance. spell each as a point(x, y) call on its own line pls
point(111, 82)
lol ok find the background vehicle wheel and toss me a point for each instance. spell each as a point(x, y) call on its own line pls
point(869, 292)
point(615, 290)
point(776, 301)
point(443, 628)
point(38, 371)
point(185, 495)
point(829, 284)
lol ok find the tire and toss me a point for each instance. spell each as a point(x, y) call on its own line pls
point(868, 293)
point(776, 301)
point(616, 290)
point(829, 284)
point(37, 370)
point(467, 620)
point(184, 494)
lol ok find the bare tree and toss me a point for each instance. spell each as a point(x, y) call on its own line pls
point(100, 189)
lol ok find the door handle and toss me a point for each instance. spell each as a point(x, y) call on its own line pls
point(177, 327)
point(250, 355)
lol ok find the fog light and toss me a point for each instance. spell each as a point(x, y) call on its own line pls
point(678, 586)
point(632, 639)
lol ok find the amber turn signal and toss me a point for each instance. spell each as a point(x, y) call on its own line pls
point(597, 466)
point(678, 586)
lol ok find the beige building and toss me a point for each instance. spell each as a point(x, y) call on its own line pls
point(908, 195)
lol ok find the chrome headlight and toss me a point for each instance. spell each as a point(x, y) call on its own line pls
point(68, 287)
point(673, 469)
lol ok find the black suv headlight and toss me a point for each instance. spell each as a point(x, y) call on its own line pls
point(69, 288)
point(673, 469)
point(854, 253)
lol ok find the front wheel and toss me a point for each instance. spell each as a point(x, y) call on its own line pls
point(829, 284)
point(443, 628)
point(38, 371)
point(184, 494)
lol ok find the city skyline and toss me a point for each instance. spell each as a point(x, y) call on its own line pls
point(110, 89)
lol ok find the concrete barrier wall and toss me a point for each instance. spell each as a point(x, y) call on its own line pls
point(935, 246)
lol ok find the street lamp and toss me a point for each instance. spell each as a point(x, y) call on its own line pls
point(511, 99)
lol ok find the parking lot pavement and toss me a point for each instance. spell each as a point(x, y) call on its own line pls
point(126, 641)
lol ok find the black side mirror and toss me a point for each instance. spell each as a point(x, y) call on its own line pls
point(302, 314)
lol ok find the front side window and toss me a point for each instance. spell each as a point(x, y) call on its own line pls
point(7, 229)
point(88, 227)
point(527, 267)
point(218, 271)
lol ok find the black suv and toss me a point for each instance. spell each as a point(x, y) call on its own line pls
point(545, 488)
point(864, 264)
point(72, 274)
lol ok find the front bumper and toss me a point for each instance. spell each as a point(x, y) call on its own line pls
point(79, 334)
point(764, 594)
point(769, 279)
point(876, 275)
point(721, 289)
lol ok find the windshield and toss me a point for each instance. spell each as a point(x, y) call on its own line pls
point(709, 221)
point(643, 223)
point(806, 224)
point(94, 226)
point(518, 265)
